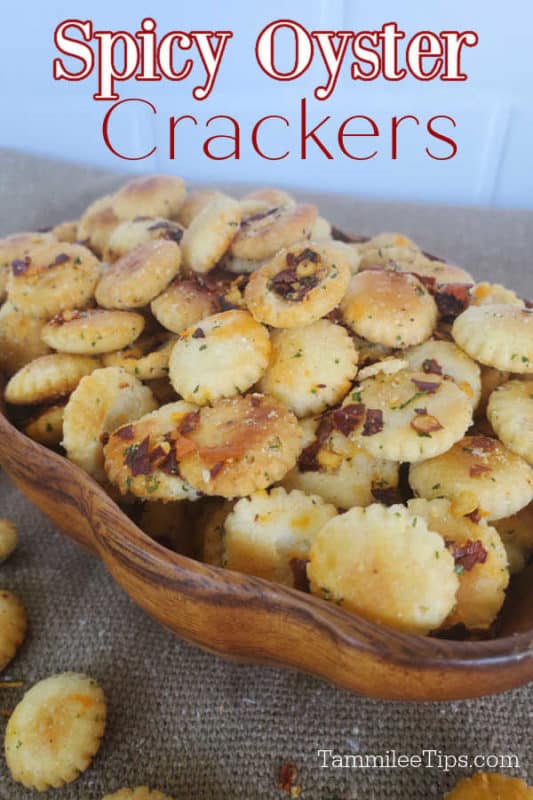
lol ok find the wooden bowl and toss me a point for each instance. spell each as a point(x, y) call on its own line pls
point(252, 620)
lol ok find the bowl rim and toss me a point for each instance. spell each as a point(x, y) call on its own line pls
point(430, 653)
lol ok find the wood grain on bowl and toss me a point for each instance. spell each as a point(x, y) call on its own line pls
point(251, 620)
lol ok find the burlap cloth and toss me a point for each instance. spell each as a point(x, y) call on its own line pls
point(187, 722)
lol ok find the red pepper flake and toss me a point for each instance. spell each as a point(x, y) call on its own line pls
point(123, 385)
point(189, 422)
point(373, 422)
point(104, 438)
point(20, 265)
point(158, 454)
point(388, 495)
point(287, 777)
point(349, 417)
point(256, 400)
point(214, 471)
point(174, 235)
point(67, 316)
point(308, 461)
point(452, 299)
point(198, 334)
point(334, 316)
point(431, 366)
point(425, 423)
point(125, 433)
point(467, 554)
point(479, 469)
point(170, 464)
point(307, 254)
point(299, 573)
point(260, 215)
point(61, 258)
point(428, 387)
point(225, 305)
point(289, 285)
point(484, 443)
point(138, 458)
point(183, 447)
point(157, 226)
point(475, 516)
point(427, 280)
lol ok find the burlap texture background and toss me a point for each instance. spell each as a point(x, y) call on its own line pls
point(187, 722)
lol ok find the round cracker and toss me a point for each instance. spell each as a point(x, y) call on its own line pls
point(478, 474)
point(147, 359)
point(490, 380)
point(242, 266)
point(12, 626)
point(92, 331)
point(480, 563)
point(269, 534)
point(133, 232)
point(102, 402)
point(311, 368)
point(321, 229)
point(150, 196)
point(436, 357)
point(263, 233)
point(381, 563)
point(490, 786)
point(240, 445)
point(47, 378)
point(439, 271)
point(55, 731)
point(182, 304)
point(499, 336)
point(407, 416)
point(342, 473)
point(210, 233)
point(221, 356)
point(20, 339)
point(484, 293)
point(142, 457)
point(510, 412)
point(267, 197)
point(15, 248)
point(97, 224)
point(517, 535)
point(52, 278)
point(139, 276)
point(194, 202)
point(390, 308)
point(66, 231)
point(389, 366)
point(47, 426)
point(387, 249)
point(300, 285)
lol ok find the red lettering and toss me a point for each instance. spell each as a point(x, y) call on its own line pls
point(343, 134)
point(255, 137)
point(105, 129)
